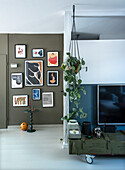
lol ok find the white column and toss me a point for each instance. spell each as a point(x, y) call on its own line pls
point(67, 38)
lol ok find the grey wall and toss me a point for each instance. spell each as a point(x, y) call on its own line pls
point(4, 80)
point(52, 42)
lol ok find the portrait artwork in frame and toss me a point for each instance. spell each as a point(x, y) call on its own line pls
point(16, 80)
point(47, 99)
point(36, 94)
point(20, 100)
point(20, 51)
point(34, 73)
point(52, 59)
point(38, 53)
point(52, 78)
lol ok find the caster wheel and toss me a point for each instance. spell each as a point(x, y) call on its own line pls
point(89, 160)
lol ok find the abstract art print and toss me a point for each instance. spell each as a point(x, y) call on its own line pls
point(20, 51)
point(20, 100)
point(47, 99)
point(38, 53)
point(34, 73)
point(52, 59)
point(16, 80)
point(36, 94)
point(52, 78)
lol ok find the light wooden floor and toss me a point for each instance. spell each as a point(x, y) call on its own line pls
point(42, 150)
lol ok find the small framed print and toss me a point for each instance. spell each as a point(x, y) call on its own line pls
point(36, 94)
point(20, 100)
point(52, 78)
point(47, 99)
point(16, 80)
point(38, 53)
point(52, 59)
point(20, 51)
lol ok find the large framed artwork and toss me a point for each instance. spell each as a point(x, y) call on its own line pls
point(52, 78)
point(52, 59)
point(47, 99)
point(36, 94)
point(38, 53)
point(16, 80)
point(20, 51)
point(20, 100)
point(34, 73)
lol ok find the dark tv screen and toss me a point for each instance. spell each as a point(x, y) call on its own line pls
point(111, 104)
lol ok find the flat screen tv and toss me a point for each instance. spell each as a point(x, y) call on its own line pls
point(111, 104)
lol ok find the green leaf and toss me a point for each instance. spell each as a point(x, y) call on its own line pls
point(80, 110)
point(68, 53)
point(73, 68)
point(82, 61)
point(63, 66)
point(79, 81)
point(83, 116)
point(64, 94)
point(67, 89)
point(64, 118)
point(79, 67)
point(86, 68)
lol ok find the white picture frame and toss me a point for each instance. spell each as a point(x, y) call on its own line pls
point(37, 52)
point(16, 80)
point(20, 100)
point(47, 99)
point(52, 59)
point(34, 73)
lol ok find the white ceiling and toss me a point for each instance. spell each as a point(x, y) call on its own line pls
point(47, 16)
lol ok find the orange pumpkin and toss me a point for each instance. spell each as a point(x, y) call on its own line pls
point(24, 126)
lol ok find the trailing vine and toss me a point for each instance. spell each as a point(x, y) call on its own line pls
point(71, 68)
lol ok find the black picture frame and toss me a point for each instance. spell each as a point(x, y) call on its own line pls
point(20, 51)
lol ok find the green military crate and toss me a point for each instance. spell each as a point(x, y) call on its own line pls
point(108, 144)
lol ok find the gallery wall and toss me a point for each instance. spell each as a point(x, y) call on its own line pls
point(46, 115)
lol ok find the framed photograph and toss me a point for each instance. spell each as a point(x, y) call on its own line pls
point(36, 94)
point(52, 59)
point(34, 73)
point(20, 51)
point(52, 78)
point(20, 100)
point(38, 53)
point(16, 80)
point(47, 99)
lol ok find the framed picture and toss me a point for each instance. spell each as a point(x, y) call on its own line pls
point(20, 100)
point(20, 51)
point(47, 99)
point(52, 59)
point(52, 78)
point(38, 53)
point(36, 94)
point(16, 80)
point(34, 73)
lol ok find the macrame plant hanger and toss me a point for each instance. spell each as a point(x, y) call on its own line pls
point(73, 47)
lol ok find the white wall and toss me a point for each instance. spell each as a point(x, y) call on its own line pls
point(105, 60)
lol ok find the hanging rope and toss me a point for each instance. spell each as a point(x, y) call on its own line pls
point(73, 47)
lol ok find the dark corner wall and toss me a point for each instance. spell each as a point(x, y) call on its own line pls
point(48, 42)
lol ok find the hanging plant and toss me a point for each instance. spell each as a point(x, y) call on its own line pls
point(71, 68)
